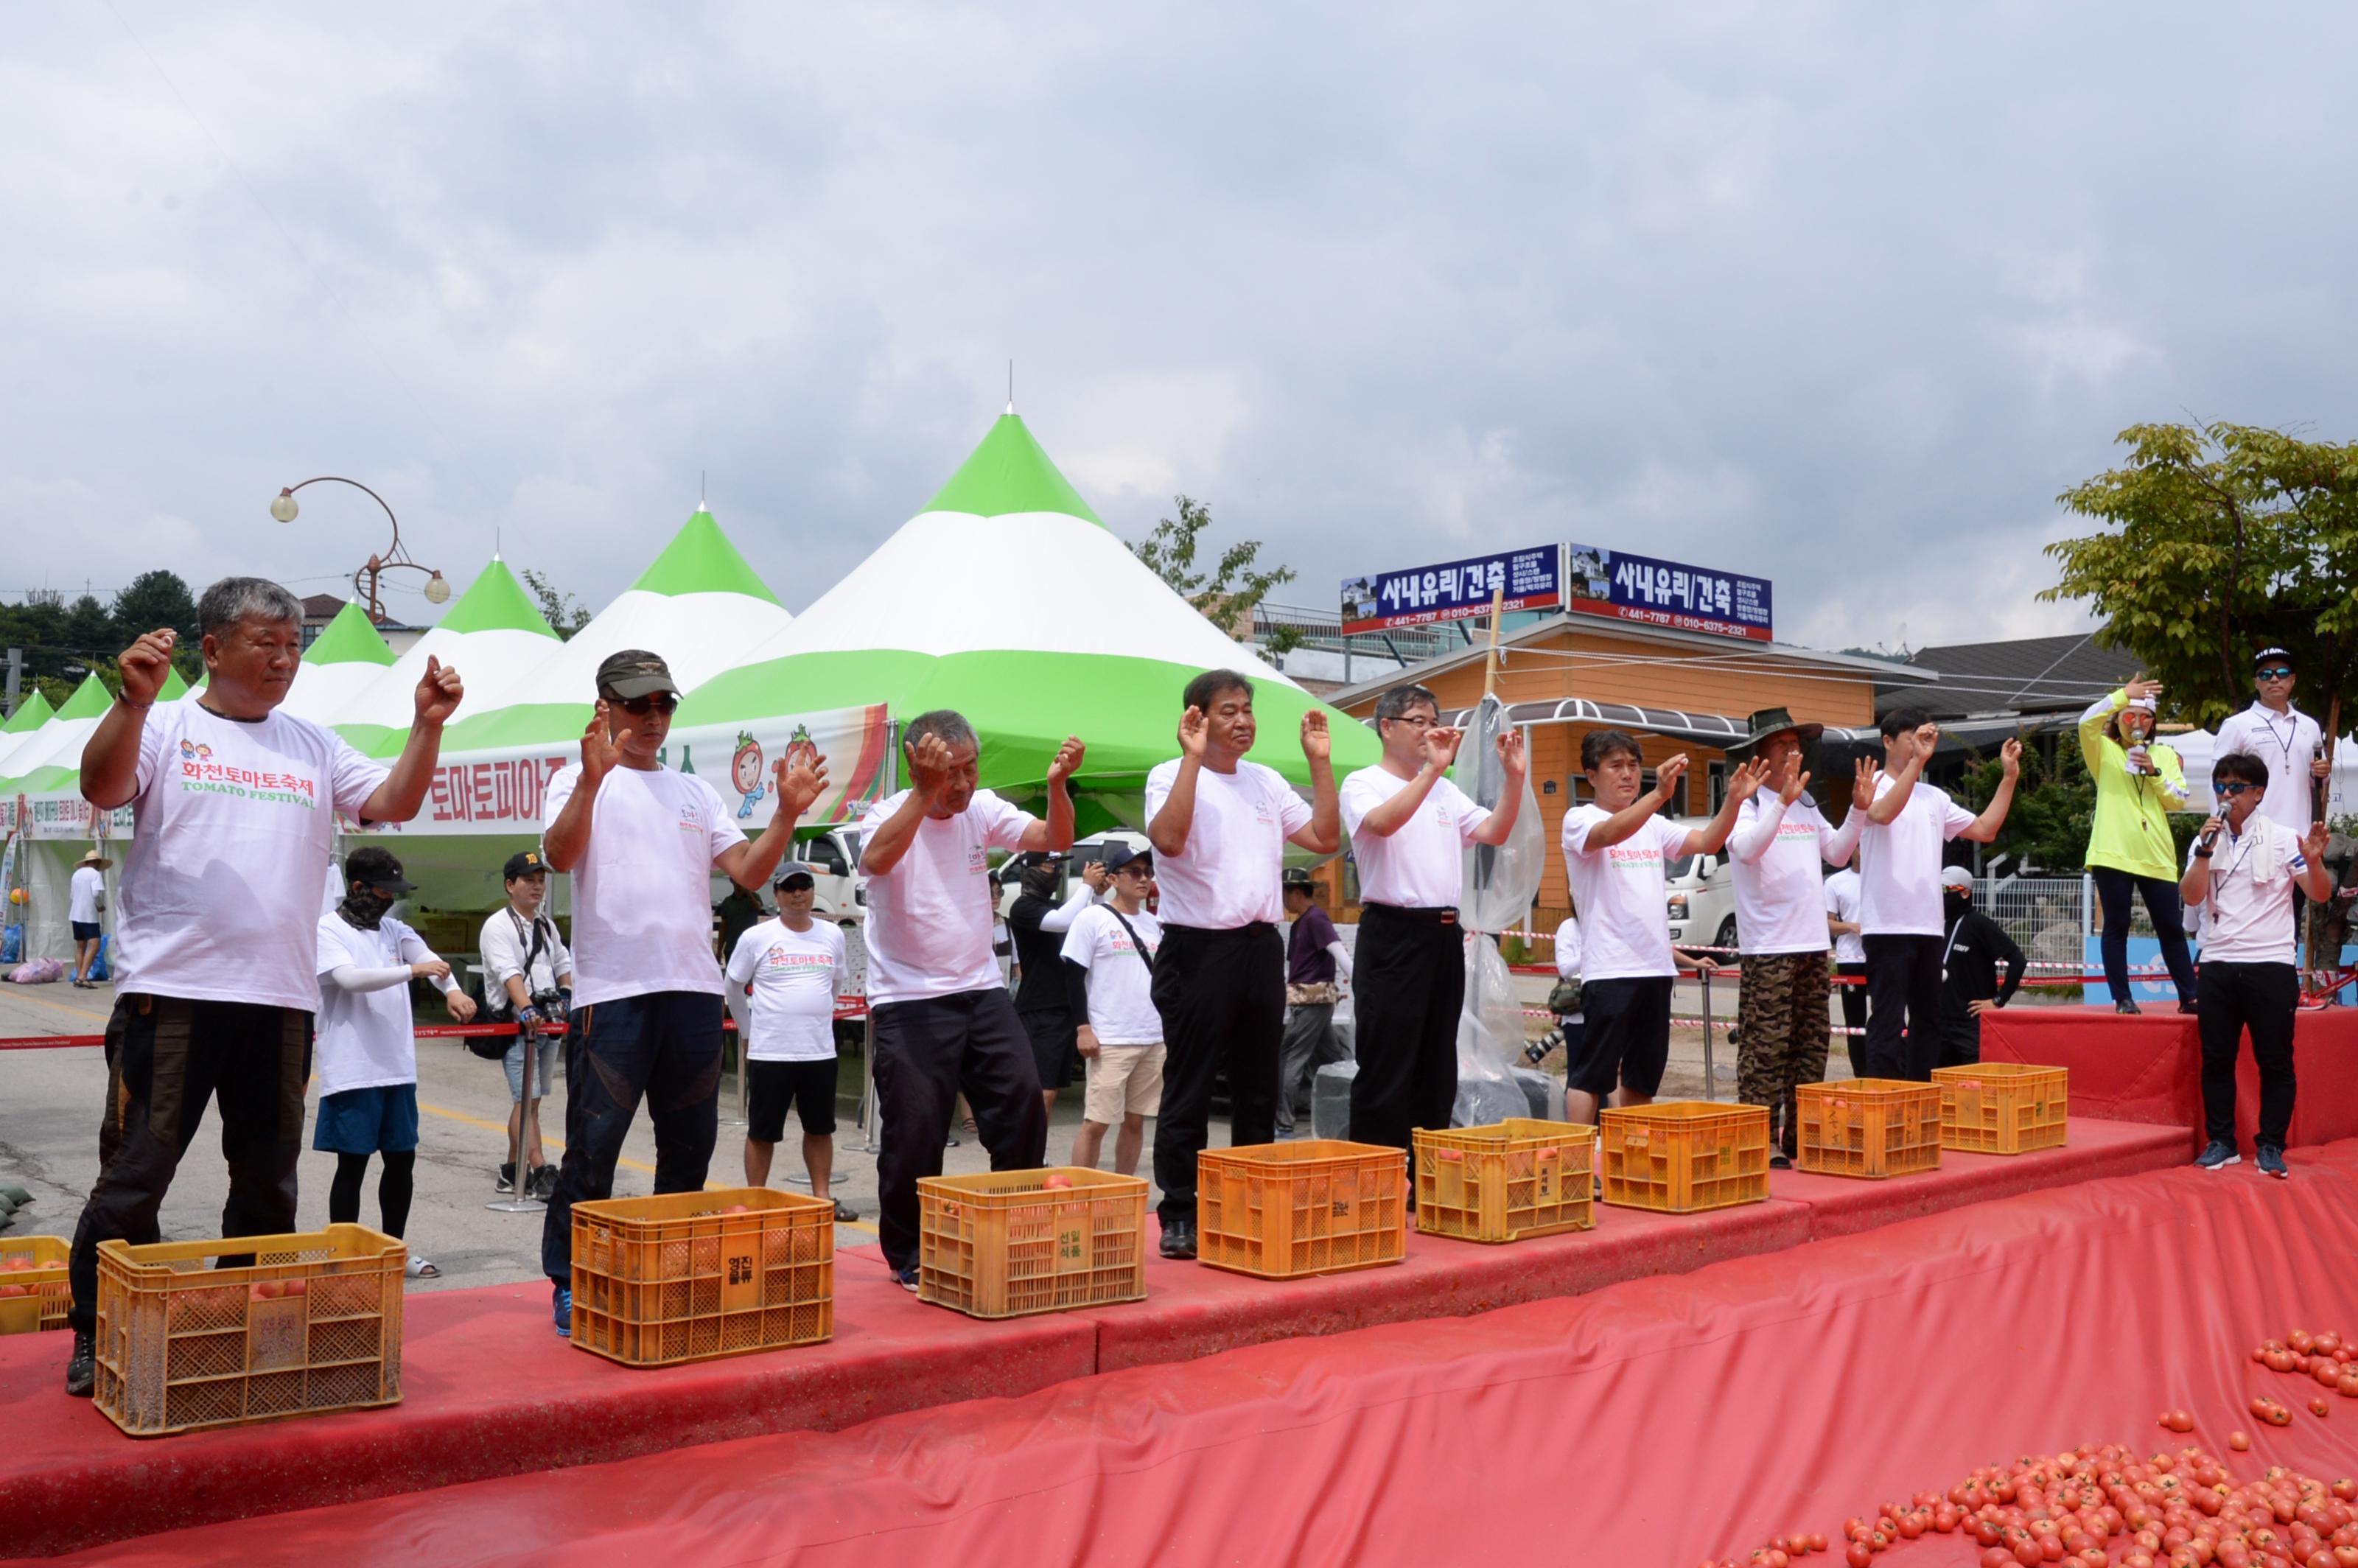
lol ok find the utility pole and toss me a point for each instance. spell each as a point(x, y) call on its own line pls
point(15, 680)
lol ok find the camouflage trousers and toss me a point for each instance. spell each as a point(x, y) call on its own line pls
point(1780, 1033)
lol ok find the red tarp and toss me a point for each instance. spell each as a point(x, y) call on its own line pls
point(2148, 1067)
point(1658, 1422)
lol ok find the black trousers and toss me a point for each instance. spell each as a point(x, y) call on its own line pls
point(1408, 983)
point(1854, 1012)
point(2230, 998)
point(165, 1058)
point(1961, 1042)
point(927, 1054)
point(1222, 998)
point(1903, 1018)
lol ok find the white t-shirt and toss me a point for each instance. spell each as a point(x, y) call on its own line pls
point(1780, 905)
point(794, 976)
point(1622, 895)
point(2288, 745)
point(506, 943)
point(930, 917)
point(1899, 863)
point(1841, 903)
point(81, 906)
point(366, 1038)
point(2247, 913)
point(642, 890)
point(1422, 866)
point(1121, 1004)
point(1228, 875)
point(220, 895)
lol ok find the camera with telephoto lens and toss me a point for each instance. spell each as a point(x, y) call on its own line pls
point(550, 1005)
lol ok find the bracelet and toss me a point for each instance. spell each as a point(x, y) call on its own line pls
point(135, 707)
point(2202, 854)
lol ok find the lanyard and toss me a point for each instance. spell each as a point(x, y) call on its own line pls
point(2292, 728)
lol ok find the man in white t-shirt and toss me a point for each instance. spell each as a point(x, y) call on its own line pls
point(1410, 827)
point(1900, 825)
point(945, 1022)
point(642, 843)
point(1777, 856)
point(783, 975)
point(85, 903)
point(1850, 959)
point(1219, 825)
point(2282, 736)
point(2240, 870)
point(218, 926)
point(1614, 852)
point(527, 976)
point(1109, 957)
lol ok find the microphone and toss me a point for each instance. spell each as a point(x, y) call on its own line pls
point(2207, 839)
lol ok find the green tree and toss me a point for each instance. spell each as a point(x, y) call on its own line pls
point(2054, 804)
point(1226, 592)
point(88, 628)
point(564, 614)
point(155, 599)
point(2220, 540)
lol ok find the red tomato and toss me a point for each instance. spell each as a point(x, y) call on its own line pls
point(1997, 1557)
point(1859, 1555)
point(2319, 1407)
point(2300, 1340)
point(2237, 1440)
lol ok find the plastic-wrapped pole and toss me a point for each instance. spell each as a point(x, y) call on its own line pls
point(1500, 883)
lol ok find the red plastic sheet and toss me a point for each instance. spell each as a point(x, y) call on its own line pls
point(1658, 1422)
point(2148, 1067)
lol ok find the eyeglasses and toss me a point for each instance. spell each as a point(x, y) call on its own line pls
point(1415, 720)
point(2275, 673)
point(1133, 872)
point(2232, 790)
point(640, 706)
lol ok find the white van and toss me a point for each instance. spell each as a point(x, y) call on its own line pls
point(1702, 893)
point(840, 891)
point(1084, 851)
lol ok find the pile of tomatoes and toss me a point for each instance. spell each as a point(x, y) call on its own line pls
point(2327, 1357)
point(2168, 1511)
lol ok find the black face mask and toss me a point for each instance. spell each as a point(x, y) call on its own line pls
point(1958, 903)
point(363, 907)
point(1040, 882)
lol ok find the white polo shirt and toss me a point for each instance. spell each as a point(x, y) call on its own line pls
point(1900, 862)
point(1774, 855)
point(1623, 895)
point(1229, 874)
point(2288, 745)
point(1422, 865)
point(2247, 913)
point(930, 917)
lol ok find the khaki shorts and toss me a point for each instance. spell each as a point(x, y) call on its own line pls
point(1122, 1078)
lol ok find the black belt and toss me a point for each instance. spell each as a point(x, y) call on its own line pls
point(1249, 929)
point(1448, 916)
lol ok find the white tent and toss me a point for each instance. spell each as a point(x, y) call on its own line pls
point(494, 638)
point(346, 657)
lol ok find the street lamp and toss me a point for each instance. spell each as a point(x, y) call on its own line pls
point(283, 507)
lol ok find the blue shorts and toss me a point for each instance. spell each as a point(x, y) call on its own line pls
point(381, 1121)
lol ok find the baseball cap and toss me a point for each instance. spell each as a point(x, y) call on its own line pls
point(1956, 877)
point(2273, 655)
point(1122, 855)
point(1033, 860)
point(789, 870)
point(634, 671)
point(377, 869)
point(523, 864)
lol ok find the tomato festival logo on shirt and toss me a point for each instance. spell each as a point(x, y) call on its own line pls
point(201, 775)
point(781, 959)
point(195, 750)
point(1631, 857)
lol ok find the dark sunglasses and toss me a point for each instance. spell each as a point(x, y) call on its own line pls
point(2278, 673)
point(2232, 790)
point(640, 706)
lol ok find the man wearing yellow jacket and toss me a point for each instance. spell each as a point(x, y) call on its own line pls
point(2130, 848)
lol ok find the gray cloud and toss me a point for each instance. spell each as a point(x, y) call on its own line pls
point(1837, 295)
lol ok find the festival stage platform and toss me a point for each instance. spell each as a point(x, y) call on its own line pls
point(490, 1391)
point(2148, 1067)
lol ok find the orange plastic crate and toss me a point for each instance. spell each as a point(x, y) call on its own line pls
point(659, 1280)
point(35, 1266)
point(1685, 1156)
point(312, 1325)
point(1512, 1179)
point(1869, 1127)
point(1314, 1205)
point(2002, 1107)
point(1005, 1244)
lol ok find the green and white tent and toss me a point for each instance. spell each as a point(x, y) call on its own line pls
point(15, 735)
point(493, 636)
point(349, 654)
point(1008, 600)
point(52, 760)
point(699, 604)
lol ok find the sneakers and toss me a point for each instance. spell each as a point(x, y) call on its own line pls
point(1179, 1239)
point(542, 1184)
point(2128, 1006)
point(562, 1310)
point(82, 1366)
point(1780, 1161)
point(2218, 1156)
point(906, 1279)
point(2270, 1159)
point(506, 1181)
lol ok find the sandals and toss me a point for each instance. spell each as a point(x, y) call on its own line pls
point(421, 1269)
point(844, 1211)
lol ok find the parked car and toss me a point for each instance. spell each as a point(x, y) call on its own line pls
point(1702, 893)
point(1083, 851)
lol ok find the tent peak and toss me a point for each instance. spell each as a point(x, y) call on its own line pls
point(1009, 472)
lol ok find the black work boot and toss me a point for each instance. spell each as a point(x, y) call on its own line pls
point(82, 1366)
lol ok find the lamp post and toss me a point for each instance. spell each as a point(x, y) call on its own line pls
point(396, 557)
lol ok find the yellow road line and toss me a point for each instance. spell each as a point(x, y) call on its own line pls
point(629, 1164)
point(61, 1006)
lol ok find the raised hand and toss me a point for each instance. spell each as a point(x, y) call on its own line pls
point(1745, 781)
point(1789, 787)
point(439, 692)
point(800, 778)
point(1667, 777)
point(2312, 844)
point(2140, 688)
point(1928, 737)
point(1093, 873)
point(929, 765)
point(146, 665)
point(2010, 757)
point(1067, 761)
point(1194, 733)
point(600, 750)
point(1863, 773)
point(1441, 743)
point(1316, 745)
point(1511, 752)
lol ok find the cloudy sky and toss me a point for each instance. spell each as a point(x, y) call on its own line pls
point(1837, 295)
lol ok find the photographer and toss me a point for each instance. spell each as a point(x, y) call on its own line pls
point(527, 976)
